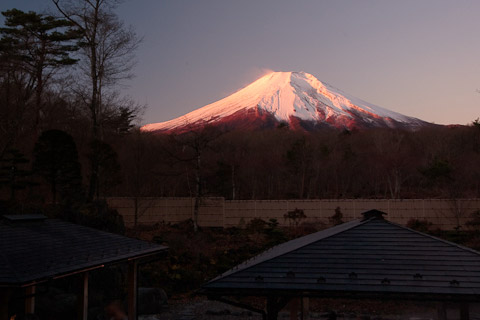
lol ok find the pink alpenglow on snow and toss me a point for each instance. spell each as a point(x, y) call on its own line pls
point(296, 99)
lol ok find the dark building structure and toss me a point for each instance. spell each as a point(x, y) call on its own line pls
point(35, 250)
point(367, 258)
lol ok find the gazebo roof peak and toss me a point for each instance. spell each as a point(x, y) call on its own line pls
point(373, 214)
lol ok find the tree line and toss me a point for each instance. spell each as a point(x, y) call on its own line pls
point(432, 162)
point(69, 138)
point(61, 112)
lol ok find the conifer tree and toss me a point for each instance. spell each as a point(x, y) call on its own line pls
point(33, 48)
point(56, 160)
point(41, 44)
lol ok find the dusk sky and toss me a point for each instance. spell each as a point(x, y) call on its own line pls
point(419, 58)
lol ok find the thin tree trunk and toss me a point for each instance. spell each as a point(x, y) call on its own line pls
point(198, 194)
point(39, 88)
point(54, 191)
point(135, 203)
point(233, 182)
point(94, 166)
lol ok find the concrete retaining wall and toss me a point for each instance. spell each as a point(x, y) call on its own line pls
point(218, 212)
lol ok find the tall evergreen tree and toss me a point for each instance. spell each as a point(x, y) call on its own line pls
point(56, 160)
point(33, 47)
point(108, 167)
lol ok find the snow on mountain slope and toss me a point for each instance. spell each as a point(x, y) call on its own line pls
point(291, 97)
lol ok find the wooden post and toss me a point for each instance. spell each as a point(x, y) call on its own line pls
point(464, 311)
point(272, 309)
point(305, 308)
point(293, 306)
point(30, 299)
point(132, 290)
point(442, 311)
point(4, 302)
point(83, 297)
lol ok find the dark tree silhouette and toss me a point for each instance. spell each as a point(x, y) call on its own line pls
point(190, 148)
point(13, 173)
point(108, 49)
point(108, 167)
point(56, 160)
point(38, 45)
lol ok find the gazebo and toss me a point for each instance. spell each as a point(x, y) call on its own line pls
point(35, 250)
point(371, 258)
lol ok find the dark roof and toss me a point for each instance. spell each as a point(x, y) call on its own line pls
point(40, 249)
point(24, 217)
point(359, 257)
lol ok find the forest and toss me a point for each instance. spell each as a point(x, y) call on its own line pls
point(433, 162)
point(69, 137)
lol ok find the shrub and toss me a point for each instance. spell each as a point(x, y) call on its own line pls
point(275, 235)
point(337, 218)
point(419, 225)
point(474, 223)
point(256, 225)
point(294, 217)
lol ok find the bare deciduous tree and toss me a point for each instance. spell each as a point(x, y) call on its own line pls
point(107, 58)
point(192, 146)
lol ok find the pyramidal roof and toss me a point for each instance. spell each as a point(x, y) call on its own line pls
point(369, 256)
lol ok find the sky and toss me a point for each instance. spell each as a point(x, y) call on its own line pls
point(419, 58)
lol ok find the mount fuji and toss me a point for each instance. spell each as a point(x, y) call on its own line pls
point(294, 99)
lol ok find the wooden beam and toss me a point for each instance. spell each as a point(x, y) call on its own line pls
point(239, 305)
point(83, 297)
point(30, 299)
point(464, 311)
point(132, 289)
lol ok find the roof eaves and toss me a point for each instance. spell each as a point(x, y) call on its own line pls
point(86, 266)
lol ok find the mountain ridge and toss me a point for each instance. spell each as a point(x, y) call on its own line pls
point(297, 99)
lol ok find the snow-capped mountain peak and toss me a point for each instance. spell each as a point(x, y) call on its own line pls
point(295, 98)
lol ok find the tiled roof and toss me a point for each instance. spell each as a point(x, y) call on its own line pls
point(40, 250)
point(362, 256)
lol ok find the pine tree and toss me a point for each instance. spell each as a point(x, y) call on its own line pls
point(108, 167)
point(56, 160)
point(37, 45)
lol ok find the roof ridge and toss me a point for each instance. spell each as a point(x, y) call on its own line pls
point(453, 244)
point(249, 263)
